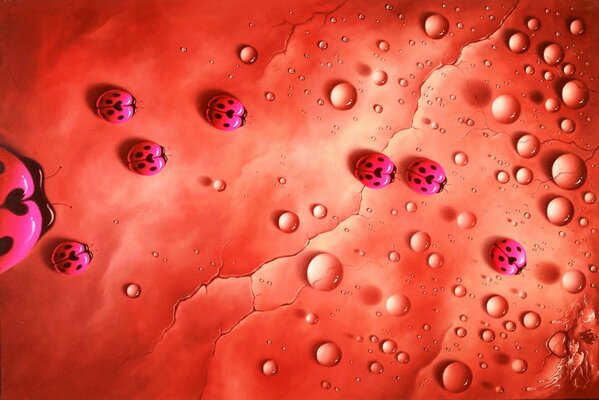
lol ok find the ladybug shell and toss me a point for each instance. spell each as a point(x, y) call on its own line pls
point(71, 258)
point(226, 113)
point(508, 256)
point(116, 106)
point(375, 170)
point(426, 176)
point(146, 158)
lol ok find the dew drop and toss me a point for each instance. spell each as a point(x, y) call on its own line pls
point(435, 260)
point(393, 256)
point(567, 125)
point(553, 54)
point(533, 24)
point(420, 241)
point(466, 220)
point(505, 108)
point(328, 354)
point(403, 82)
point(552, 104)
point(388, 346)
point(509, 326)
point(574, 281)
point(288, 222)
point(575, 94)
point(325, 272)
point(577, 27)
point(497, 306)
point(519, 42)
point(436, 26)
point(133, 290)
point(383, 45)
point(397, 305)
point(270, 96)
point(311, 318)
point(411, 207)
point(459, 291)
point(519, 366)
point(560, 211)
point(503, 177)
point(322, 45)
point(487, 335)
point(319, 211)
point(528, 146)
point(531, 320)
point(379, 77)
point(248, 55)
point(460, 332)
point(269, 368)
point(343, 96)
point(589, 197)
point(402, 357)
point(376, 367)
point(460, 158)
point(569, 171)
point(377, 108)
point(456, 377)
point(524, 175)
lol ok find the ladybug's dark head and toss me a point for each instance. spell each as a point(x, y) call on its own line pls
point(442, 185)
point(164, 154)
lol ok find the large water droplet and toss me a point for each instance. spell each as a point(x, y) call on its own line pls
point(558, 344)
point(552, 104)
point(402, 357)
point(435, 260)
point(528, 146)
point(487, 335)
point(575, 94)
point(560, 211)
point(328, 354)
point(248, 55)
point(574, 281)
point(553, 54)
point(436, 26)
point(325, 272)
point(460, 332)
point(133, 290)
point(459, 291)
point(376, 367)
point(219, 185)
point(269, 368)
point(344, 96)
point(505, 108)
point(379, 77)
point(466, 220)
point(503, 176)
point(388, 346)
point(420, 241)
point(533, 24)
point(456, 377)
point(319, 211)
point(569, 171)
point(531, 320)
point(577, 27)
point(524, 175)
point(311, 318)
point(393, 256)
point(397, 305)
point(519, 366)
point(519, 42)
point(288, 222)
point(567, 125)
point(497, 306)
point(460, 158)
point(589, 197)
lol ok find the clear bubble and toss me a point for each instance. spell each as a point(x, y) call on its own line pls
point(133, 290)
point(376, 367)
point(466, 220)
point(577, 27)
point(436, 26)
point(459, 291)
point(497, 306)
point(383, 45)
point(411, 207)
point(589, 197)
point(575, 94)
point(420, 241)
point(503, 176)
point(435, 260)
point(519, 366)
point(574, 281)
point(288, 222)
point(377, 108)
point(461, 332)
point(460, 158)
point(393, 256)
point(270, 96)
point(567, 125)
point(319, 211)
point(519, 42)
point(402, 357)
point(569, 171)
point(505, 109)
point(311, 318)
point(560, 211)
point(343, 96)
point(219, 185)
point(379, 77)
point(325, 272)
point(528, 146)
point(248, 55)
point(487, 335)
point(328, 354)
point(524, 175)
point(397, 305)
point(322, 45)
point(553, 54)
point(269, 368)
point(533, 24)
point(531, 320)
point(388, 346)
point(456, 377)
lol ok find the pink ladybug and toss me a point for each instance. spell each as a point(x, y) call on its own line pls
point(25, 213)
point(426, 176)
point(508, 256)
point(375, 170)
point(147, 158)
point(116, 106)
point(226, 113)
point(71, 258)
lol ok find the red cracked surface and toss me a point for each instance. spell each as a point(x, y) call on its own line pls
point(223, 289)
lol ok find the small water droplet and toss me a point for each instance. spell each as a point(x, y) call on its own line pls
point(219, 185)
point(248, 55)
point(269, 368)
point(328, 354)
point(343, 96)
point(133, 290)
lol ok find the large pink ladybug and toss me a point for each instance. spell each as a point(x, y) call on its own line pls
point(226, 113)
point(375, 170)
point(508, 256)
point(71, 258)
point(25, 213)
point(146, 158)
point(116, 106)
point(426, 176)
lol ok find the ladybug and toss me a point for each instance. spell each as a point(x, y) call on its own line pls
point(71, 258)
point(426, 176)
point(375, 170)
point(146, 158)
point(116, 106)
point(508, 256)
point(25, 213)
point(226, 113)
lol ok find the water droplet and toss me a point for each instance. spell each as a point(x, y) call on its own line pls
point(505, 108)
point(155, 254)
point(503, 176)
point(524, 176)
point(533, 24)
point(487, 335)
point(248, 55)
point(379, 77)
point(529, 69)
point(269, 367)
point(403, 82)
point(322, 45)
point(435, 260)
point(497, 306)
point(553, 54)
point(270, 96)
point(459, 291)
point(383, 45)
point(325, 385)
point(288, 222)
point(509, 326)
point(388, 346)
point(411, 207)
point(420, 241)
point(560, 211)
point(436, 26)
point(577, 27)
point(528, 146)
point(569, 69)
point(328, 354)
point(397, 305)
point(567, 125)
point(219, 185)
point(344, 39)
point(589, 197)
point(133, 290)
point(378, 108)
point(531, 320)
point(592, 268)
point(394, 256)
point(376, 367)
point(466, 220)
point(460, 158)
point(343, 96)
point(519, 42)
point(461, 332)
point(456, 377)
point(575, 94)
point(574, 281)
point(552, 104)
point(519, 366)
point(319, 211)
point(311, 318)
point(402, 357)
point(325, 272)
point(499, 389)
point(569, 171)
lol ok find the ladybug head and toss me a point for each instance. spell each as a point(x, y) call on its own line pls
point(442, 184)
point(164, 154)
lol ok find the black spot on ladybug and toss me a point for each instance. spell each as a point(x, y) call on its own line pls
point(501, 258)
point(226, 125)
point(422, 170)
point(73, 256)
point(6, 243)
point(511, 260)
point(230, 101)
point(2, 167)
point(117, 105)
point(139, 154)
point(218, 115)
point(423, 189)
point(508, 248)
point(110, 112)
point(153, 169)
point(434, 168)
point(376, 183)
point(518, 248)
point(417, 180)
point(120, 117)
point(377, 172)
point(141, 165)
point(116, 95)
point(108, 101)
point(150, 158)
point(148, 147)
point(220, 105)
point(68, 246)
point(368, 165)
point(229, 113)
point(13, 202)
point(380, 159)
point(368, 176)
point(503, 269)
point(78, 267)
point(67, 264)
